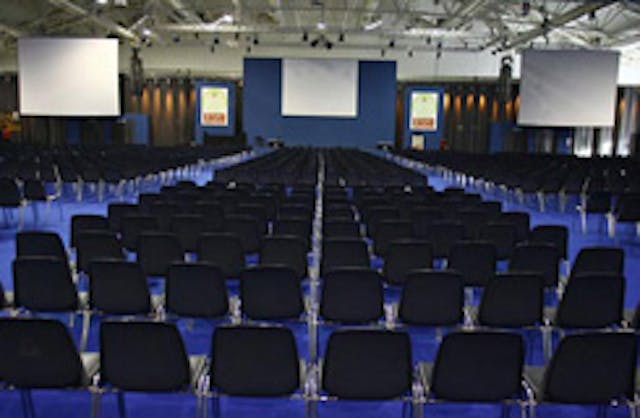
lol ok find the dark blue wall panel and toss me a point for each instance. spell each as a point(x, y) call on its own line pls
point(376, 108)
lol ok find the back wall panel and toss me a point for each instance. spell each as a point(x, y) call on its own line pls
point(376, 108)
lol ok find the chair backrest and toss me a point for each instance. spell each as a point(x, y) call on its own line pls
point(474, 260)
point(592, 368)
point(352, 295)
point(388, 231)
point(196, 290)
point(254, 361)
point(521, 221)
point(133, 225)
point(299, 227)
point(538, 258)
point(157, 251)
point(502, 235)
point(557, 235)
point(367, 364)
point(116, 211)
point(81, 223)
point(443, 235)
point(118, 287)
point(188, 227)
point(42, 283)
point(95, 245)
point(164, 210)
point(341, 228)
point(472, 219)
point(10, 195)
point(38, 353)
point(432, 298)
point(591, 301)
point(143, 356)
point(512, 300)
point(406, 255)
point(482, 366)
point(342, 252)
point(599, 260)
point(247, 229)
point(44, 243)
point(270, 293)
point(223, 250)
point(213, 214)
point(286, 250)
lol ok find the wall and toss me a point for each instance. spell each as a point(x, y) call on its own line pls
point(376, 108)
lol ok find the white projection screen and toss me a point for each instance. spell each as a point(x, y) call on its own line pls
point(568, 88)
point(68, 77)
point(320, 87)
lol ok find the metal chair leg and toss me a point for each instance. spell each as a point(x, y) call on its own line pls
point(122, 410)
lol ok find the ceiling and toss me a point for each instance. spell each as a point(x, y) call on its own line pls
point(411, 25)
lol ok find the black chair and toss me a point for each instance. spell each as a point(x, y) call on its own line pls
point(142, 356)
point(196, 290)
point(432, 298)
point(255, 361)
point(255, 211)
point(512, 300)
point(538, 258)
point(247, 228)
point(117, 211)
point(43, 284)
point(187, 228)
point(118, 288)
point(213, 214)
point(474, 260)
point(556, 235)
point(368, 365)
point(443, 235)
point(132, 226)
point(388, 231)
point(480, 366)
point(403, 257)
point(222, 250)
point(472, 219)
point(352, 295)
point(270, 293)
point(157, 251)
point(594, 300)
point(81, 223)
point(595, 202)
point(503, 236)
point(340, 228)
point(40, 354)
point(298, 227)
point(521, 221)
point(627, 209)
point(591, 368)
point(96, 245)
point(598, 260)
point(343, 252)
point(289, 251)
point(163, 211)
point(11, 198)
point(29, 243)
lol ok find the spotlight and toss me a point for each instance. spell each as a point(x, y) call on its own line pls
point(438, 55)
point(382, 52)
point(428, 40)
point(196, 35)
point(146, 32)
point(526, 7)
point(248, 49)
point(305, 37)
point(212, 49)
point(176, 38)
point(329, 45)
point(216, 40)
point(592, 15)
point(236, 36)
point(341, 37)
point(256, 41)
point(410, 53)
point(314, 43)
point(392, 43)
point(321, 25)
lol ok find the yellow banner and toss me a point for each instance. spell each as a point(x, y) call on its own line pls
point(214, 106)
point(424, 111)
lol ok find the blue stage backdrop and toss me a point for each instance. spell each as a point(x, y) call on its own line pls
point(376, 108)
point(230, 129)
point(431, 138)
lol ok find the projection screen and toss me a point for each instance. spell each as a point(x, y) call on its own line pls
point(568, 88)
point(68, 77)
point(320, 87)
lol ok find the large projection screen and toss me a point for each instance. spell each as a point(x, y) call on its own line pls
point(320, 87)
point(568, 88)
point(68, 77)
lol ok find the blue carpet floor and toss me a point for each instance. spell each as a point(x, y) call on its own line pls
point(197, 334)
